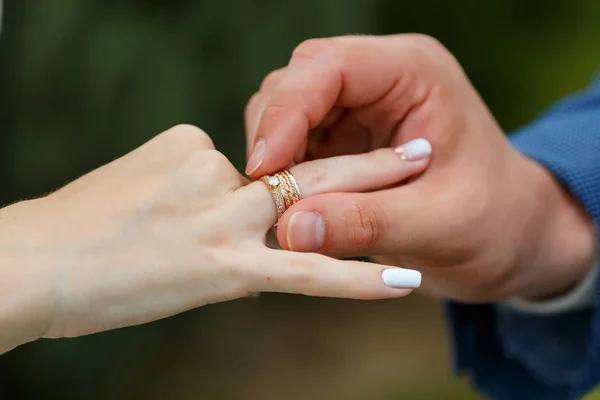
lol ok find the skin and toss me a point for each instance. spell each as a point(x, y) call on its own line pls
point(483, 223)
point(164, 229)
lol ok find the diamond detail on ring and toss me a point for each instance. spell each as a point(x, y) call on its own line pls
point(274, 180)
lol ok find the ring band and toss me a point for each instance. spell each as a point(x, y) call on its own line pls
point(293, 184)
point(284, 190)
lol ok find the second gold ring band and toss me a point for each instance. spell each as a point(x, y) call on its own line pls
point(284, 189)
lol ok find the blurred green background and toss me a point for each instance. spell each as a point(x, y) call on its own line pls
point(83, 82)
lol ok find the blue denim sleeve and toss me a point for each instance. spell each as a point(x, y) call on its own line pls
point(512, 355)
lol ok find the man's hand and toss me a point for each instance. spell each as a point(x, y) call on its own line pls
point(482, 223)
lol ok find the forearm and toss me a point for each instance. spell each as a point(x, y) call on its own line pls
point(24, 281)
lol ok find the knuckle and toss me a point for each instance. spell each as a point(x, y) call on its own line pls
point(203, 167)
point(189, 135)
point(208, 170)
point(271, 80)
point(211, 162)
point(315, 48)
point(433, 53)
point(427, 43)
point(364, 226)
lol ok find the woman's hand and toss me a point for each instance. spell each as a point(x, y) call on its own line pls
point(482, 223)
point(169, 227)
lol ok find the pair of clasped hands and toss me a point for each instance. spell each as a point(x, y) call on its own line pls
point(397, 159)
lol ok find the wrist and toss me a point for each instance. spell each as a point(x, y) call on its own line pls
point(580, 297)
point(25, 284)
point(560, 250)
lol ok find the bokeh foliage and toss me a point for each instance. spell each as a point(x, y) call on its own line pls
point(83, 82)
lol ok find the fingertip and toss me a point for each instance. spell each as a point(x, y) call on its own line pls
point(401, 278)
point(416, 149)
point(265, 159)
point(318, 224)
point(391, 293)
point(305, 232)
point(318, 275)
point(374, 286)
point(302, 228)
point(256, 157)
point(281, 134)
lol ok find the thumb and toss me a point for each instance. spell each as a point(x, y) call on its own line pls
point(318, 275)
point(355, 224)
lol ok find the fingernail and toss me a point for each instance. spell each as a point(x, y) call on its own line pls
point(400, 278)
point(306, 232)
point(257, 156)
point(414, 150)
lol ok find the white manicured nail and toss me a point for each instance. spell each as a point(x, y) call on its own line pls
point(414, 150)
point(401, 278)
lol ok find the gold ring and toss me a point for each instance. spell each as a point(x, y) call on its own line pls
point(284, 189)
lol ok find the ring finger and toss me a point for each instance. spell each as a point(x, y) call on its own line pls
point(351, 173)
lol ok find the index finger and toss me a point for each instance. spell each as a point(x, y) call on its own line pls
point(350, 72)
